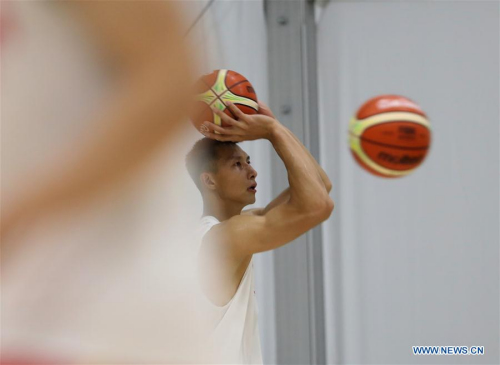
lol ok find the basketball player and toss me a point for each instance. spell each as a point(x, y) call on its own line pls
point(230, 235)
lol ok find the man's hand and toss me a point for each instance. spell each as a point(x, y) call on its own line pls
point(244, 128)
point(265, 110)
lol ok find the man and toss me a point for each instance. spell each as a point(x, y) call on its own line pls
point(230, 236)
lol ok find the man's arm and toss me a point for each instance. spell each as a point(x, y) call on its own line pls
point(280, 199)
point(308, 203)
point(285, 194)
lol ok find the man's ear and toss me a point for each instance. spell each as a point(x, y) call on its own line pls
point(207, 180)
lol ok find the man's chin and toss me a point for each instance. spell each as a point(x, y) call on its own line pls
point(251, 200)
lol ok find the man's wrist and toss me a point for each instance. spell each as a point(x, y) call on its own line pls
point(274, 130)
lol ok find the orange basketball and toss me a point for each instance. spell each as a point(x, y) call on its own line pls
point(389, 136)
point(218, 87)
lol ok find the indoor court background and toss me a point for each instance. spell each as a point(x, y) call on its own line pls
point(400, 262)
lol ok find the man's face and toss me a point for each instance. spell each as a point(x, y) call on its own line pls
point(235, 176)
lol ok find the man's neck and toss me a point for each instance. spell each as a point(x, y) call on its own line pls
point(220, 210)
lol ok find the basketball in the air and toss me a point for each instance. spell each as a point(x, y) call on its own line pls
point(215, 90)
point(389, 136)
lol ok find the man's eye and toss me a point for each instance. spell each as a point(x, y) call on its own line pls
point(238, 163)
point(249, 163)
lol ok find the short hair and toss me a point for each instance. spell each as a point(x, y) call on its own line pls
point(203, 157)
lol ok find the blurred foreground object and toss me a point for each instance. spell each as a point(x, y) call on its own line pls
point(142, 49)
point(95, 261)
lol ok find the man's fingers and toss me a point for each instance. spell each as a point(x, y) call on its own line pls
point(265, 110)
point(262, 104)
point(213, 131)
point(224, 116)
point(221, 137)
point(234, 109)
point(227, 119)
point(217, 128)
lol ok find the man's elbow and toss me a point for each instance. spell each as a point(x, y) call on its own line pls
point(328, 186)
point(322, 209)
point(327, 210)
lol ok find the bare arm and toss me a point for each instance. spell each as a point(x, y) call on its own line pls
point(280, 199)
point(307, 206)
point(143, 43)
point(285, 194)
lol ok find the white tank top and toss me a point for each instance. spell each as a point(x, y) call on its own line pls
point(235, 333)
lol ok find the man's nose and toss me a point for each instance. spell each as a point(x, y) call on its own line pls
point(253, 173)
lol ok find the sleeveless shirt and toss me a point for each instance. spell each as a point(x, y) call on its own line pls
point(234, 329)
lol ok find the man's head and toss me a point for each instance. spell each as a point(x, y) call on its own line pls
point(222, 169)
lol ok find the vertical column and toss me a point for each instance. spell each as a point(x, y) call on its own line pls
point(292, 71)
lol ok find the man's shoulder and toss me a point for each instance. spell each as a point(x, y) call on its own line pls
point(221, 241)
point(231, 229)
point(205, 224)
point(254, 211)
point(208, 221)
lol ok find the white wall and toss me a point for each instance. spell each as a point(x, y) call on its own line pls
point(413, 261)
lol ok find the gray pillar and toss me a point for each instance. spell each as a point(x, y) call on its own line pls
point(292, 64)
